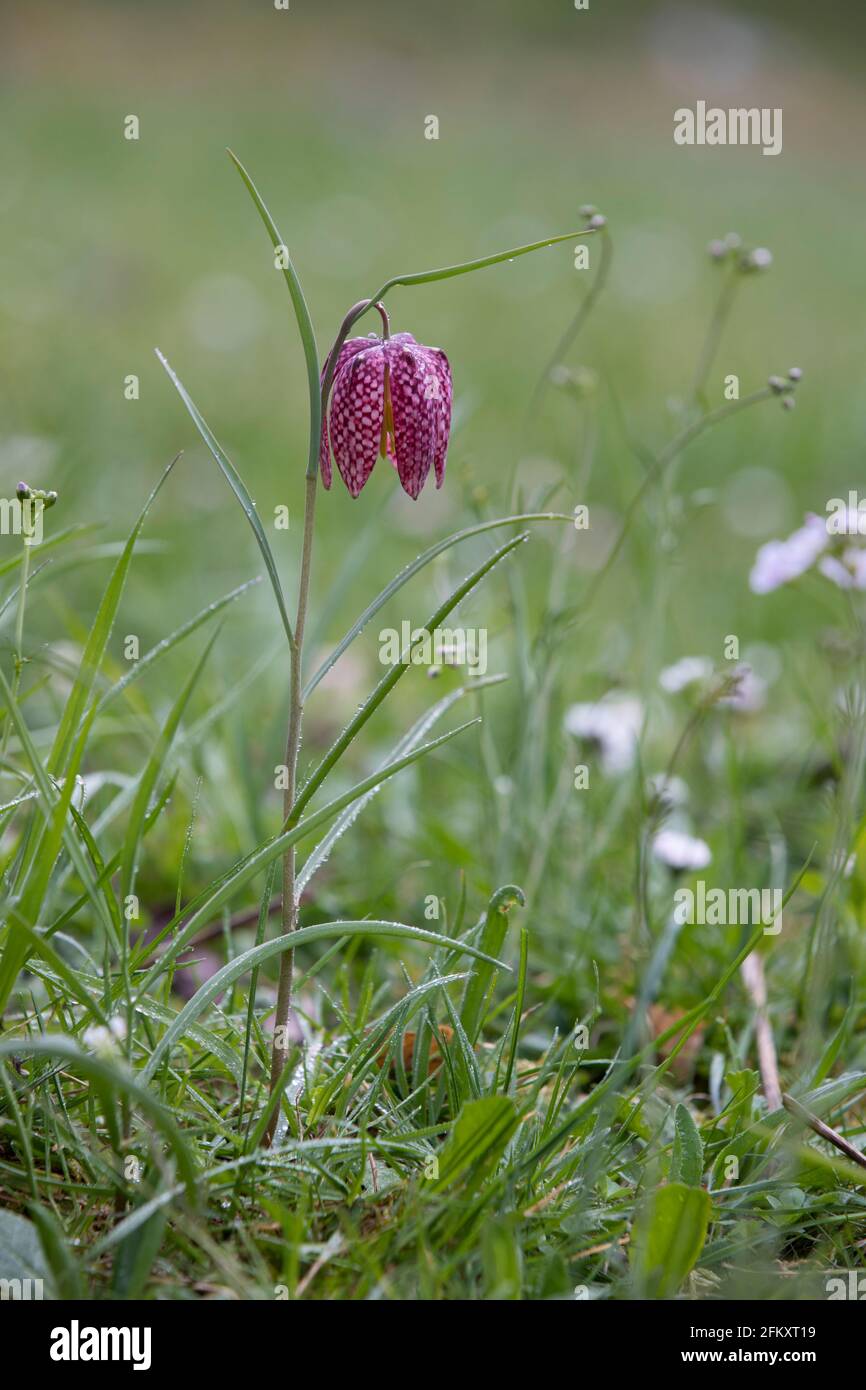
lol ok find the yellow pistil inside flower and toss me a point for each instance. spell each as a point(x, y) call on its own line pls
point(387, 416)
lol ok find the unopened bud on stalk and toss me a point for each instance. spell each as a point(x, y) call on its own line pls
point(759, 259)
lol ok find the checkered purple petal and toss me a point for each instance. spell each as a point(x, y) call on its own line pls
point(350, 348)
point(356, 414)
point(414, 417)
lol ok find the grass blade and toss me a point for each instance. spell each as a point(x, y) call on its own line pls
point(99, 635)
point(204, 908)
point(410, 740)
point(302, 937)
point(111, 1075)
point(302, 315)
point(410, 571)
point(427, 277)
point(238, 487)
point(173, 640)
point(388, 681)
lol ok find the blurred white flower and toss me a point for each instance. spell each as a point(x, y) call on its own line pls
point(689, 670)
point(681, 851)
point(778, 562)
point(613, 724)
point(100, 1038)
point(847, 570)
point(748, 693)
point(673, 791)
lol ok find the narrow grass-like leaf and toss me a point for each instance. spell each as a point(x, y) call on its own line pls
point(264, 908)
point(100, 632)
point(238, 487)
point(390, 679)
point(302, 316)
point(207, 1039)
point(491, 940)
point(518, 1007)
point(112, 865)
point(116, 1077)
point(151, 772)
point(27, 907)
point(351, 1076)
point(427, 277)
point(273, 1100)
point(207, 904)
point(481, 1134)
point(40, 946)
point(407, 743)
point(302, 937)
point(410, 571)
point(59, 538)
point(58, 1253)
point(173, 640)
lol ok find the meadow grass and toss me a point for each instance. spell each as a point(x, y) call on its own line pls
point(510, 1073)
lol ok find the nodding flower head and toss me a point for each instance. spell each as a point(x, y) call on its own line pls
point(391, 397)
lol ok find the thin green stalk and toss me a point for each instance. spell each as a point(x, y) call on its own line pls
point(720, 317)
point(19, 638)
point(289, 910)
point(657, 469)
point(570, 335)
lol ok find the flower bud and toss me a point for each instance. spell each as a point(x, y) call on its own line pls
point(759, 259)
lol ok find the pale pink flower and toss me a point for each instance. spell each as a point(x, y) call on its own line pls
point(778, 562)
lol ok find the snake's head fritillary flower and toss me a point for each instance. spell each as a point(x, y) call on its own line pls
point(390, 397)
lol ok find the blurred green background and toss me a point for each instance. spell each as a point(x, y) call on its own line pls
point(111, 247)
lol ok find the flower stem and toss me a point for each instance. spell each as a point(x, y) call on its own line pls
point(714, 333)
point(386, 322)
point(657, 469)
point(280, 1049)
point(19, 638)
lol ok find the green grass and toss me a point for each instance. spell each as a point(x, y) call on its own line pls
point(447, 1130)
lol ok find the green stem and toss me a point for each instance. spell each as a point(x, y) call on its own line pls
point(19, 620)
point(657, 469)
point(289, 911)
point(19, 638)
point(570, 335)
point(714, 332)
